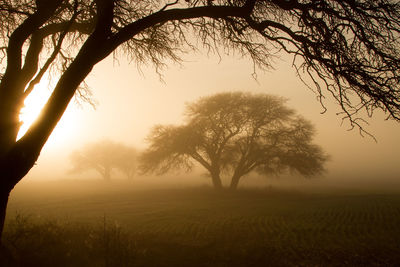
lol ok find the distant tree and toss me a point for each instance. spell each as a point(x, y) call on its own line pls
point(104, 156)
point(236, 133)
point(349, 49)
point(127, 161)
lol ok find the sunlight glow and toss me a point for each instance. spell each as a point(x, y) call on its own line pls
point(34, 104)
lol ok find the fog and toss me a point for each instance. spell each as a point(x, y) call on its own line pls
point(130, 101)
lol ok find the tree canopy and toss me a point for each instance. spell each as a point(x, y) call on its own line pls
point(104, 156)
point(236, 133)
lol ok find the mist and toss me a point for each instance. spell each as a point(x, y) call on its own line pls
point(178, 218)
point(130, 103)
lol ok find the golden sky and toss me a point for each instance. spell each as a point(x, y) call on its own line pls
point(130, 102)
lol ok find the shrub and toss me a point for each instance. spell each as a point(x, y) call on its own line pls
point(38, 242)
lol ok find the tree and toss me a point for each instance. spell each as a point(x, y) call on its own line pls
point(104, 156)
point(349, 49)
point(127, 161)
point(236, 133)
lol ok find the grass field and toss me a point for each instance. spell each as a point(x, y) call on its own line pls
point(117, 225)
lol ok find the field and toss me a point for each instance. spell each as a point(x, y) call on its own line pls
point(116, 224)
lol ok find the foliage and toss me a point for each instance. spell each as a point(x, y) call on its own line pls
point(348, 48)
point(47, 242)
point(236, 133)
point(104, 156)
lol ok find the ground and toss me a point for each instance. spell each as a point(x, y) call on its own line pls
point(196, 226)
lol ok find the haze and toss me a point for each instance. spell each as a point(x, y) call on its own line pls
point(131, 101)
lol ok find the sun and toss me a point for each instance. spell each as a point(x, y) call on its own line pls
point(33, 105)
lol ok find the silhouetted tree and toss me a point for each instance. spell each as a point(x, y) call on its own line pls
point(127, 161)
point(349, 48)
point(99, 156)
point(237, 133)
point(104, 156)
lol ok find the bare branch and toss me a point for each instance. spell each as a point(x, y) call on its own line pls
point(51, 58)
point(168, 5)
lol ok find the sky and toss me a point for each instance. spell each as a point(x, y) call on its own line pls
point(130, 101)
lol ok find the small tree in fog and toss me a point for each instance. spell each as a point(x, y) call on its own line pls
point(127, 160)
point(104, 156)
point(236, 133)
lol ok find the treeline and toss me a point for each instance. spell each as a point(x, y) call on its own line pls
point(230, 134)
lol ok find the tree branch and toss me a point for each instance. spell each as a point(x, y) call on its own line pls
point(18, 38)
point(53, 55)
point(161, 17)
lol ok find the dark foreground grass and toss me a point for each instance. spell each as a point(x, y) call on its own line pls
point(200, 227)
point(32, 242)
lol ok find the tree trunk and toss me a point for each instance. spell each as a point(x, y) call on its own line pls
point(6, 257)
point(3, 207)
point(131, 175)
point(107, 174)
point(14, 165)
point(216, 180)
point(235, 182)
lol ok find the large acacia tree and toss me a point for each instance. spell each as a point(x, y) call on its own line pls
point(348, 48)
point(236, 133)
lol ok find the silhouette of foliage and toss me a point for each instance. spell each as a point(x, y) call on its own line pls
point(65, 243)
point(347, 49)
point(104, 156)
point(237, 133)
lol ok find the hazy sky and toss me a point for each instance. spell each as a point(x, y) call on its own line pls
point(130, 102)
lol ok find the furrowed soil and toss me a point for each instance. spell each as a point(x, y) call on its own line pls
point(116, 224)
